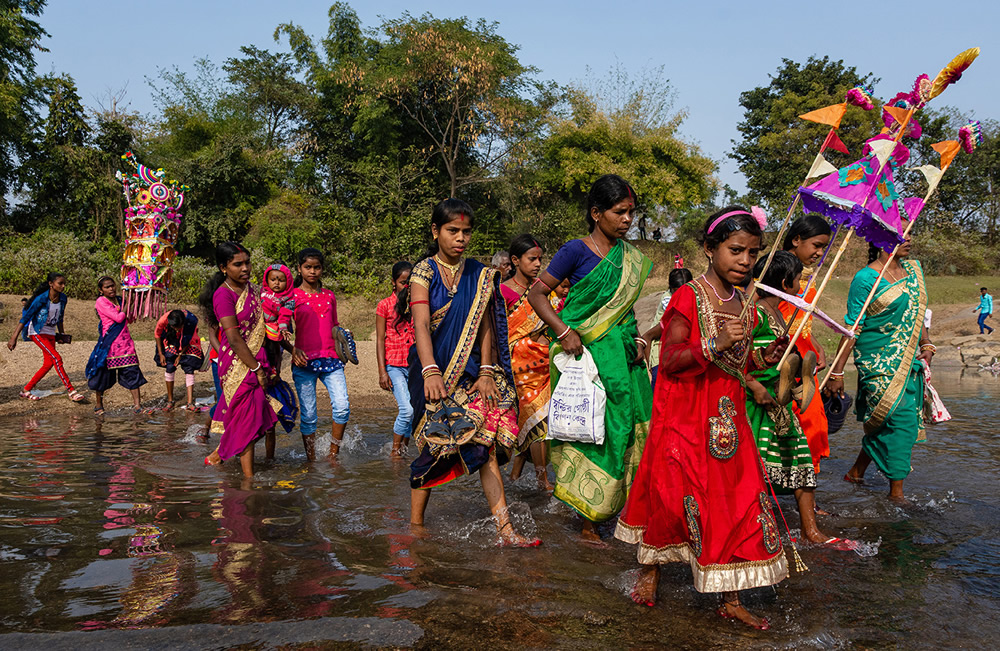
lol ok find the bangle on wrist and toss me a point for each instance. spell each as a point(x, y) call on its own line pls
point(836, 375)
point(640, 340)
point(257, 368)
point(563, 335)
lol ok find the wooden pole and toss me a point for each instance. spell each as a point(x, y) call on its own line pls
point(871, 296)
point(819, 292)
point(770, 256)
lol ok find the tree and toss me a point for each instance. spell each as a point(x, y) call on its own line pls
point(265, 82)
point(20, 94)
point(777, 147)
point(462, 84)
point(643, 148)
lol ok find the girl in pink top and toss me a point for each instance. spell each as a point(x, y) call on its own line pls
point(114, 357)
point(315, 356)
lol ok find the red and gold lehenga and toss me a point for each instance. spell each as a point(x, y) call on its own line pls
point(699, 496)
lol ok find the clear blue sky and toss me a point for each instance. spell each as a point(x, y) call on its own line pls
point(711, 50)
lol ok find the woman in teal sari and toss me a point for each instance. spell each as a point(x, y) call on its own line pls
point(606, 275)
point(890, 351)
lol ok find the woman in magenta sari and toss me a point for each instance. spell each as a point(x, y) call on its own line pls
point(243, 412)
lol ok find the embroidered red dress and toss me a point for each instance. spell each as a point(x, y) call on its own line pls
point(699, 495)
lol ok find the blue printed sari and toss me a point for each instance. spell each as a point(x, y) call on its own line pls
point(455, 323)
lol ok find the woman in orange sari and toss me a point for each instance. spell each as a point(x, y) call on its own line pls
point(529, 357)
point(807, 238)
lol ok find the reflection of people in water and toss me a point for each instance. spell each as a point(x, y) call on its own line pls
point(240, 562)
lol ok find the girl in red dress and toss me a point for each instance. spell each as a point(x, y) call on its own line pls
point(699, 495)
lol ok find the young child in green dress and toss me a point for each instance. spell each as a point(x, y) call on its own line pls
point(780, 439)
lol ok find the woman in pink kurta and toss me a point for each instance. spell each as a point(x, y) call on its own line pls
point(243, 412)
point(114, 358)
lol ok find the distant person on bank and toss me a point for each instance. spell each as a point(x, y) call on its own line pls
point(985, 310)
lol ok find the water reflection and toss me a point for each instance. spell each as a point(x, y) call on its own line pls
point(117, 525)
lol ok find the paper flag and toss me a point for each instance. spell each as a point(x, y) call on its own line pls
point(833, 141)
point(932, 174)
point(900, 115)
point(820, 167)
point(913, 206)
point(948, 150)
point(830, 115)
point(882, 150)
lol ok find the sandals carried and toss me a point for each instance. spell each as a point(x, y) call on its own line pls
point(449, 424)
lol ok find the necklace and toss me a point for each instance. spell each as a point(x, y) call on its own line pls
point(889, 273)
point(514, 280)
point(454, 270)
point(603, 256)
point(721, 300)
point(234, 290)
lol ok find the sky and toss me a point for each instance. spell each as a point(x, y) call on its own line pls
point(711, 51)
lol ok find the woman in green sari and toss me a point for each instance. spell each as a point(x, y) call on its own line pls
point(890, 351)
point(606, 275)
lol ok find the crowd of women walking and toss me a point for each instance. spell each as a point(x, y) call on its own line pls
point(689, 470)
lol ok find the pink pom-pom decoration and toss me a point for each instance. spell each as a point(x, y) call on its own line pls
point(758, 213)
point(860, 96)
point(921, 90)
point(971, 136)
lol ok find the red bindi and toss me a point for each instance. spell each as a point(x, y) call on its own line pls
point(461, 217)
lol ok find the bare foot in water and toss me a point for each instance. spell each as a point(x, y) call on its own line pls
point(854, 479)
point(542, 475)
point(735, 610)
point(820, 511)
point(589, 533)
point(644, 592)
point(816, 536)
point(511, 538)
point(213, 459)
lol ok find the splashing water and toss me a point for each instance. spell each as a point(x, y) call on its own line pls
point(194, 434)
point(483, 533)
point(867, 549)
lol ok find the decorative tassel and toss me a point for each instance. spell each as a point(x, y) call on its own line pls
point(800, 565)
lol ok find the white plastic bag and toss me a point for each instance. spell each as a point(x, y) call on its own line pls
point(576, 409)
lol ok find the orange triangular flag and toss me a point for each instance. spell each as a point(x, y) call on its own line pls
point(948, 150)
point(829, 115)
point(898, 114)
point(833, 141)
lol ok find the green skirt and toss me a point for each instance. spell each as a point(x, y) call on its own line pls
point(782, 446)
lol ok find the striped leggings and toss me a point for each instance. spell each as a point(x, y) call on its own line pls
point(50, 359)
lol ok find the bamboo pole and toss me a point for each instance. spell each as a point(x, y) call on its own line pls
point(770, 256)
point(871, 296)
point(819, 292)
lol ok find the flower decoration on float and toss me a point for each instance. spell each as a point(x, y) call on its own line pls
point(152, 224)
point(971, 136)
point(861, 96)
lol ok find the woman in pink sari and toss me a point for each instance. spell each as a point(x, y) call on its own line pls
point(243, 412)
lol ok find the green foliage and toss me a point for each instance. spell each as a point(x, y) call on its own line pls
point(941, 255)
point(20, 93)
point(26, 259)
point(283, 227)
point(777, 148)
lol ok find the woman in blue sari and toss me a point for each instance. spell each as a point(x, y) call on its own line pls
point(461, 384)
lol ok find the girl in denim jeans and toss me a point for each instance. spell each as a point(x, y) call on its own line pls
point(393, 340)
point(315, 355)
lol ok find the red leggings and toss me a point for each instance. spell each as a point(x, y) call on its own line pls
point(50, 358)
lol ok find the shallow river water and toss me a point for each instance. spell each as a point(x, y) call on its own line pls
point(114, 533)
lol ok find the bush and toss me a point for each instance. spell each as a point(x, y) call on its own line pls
point(25, 260)
point(955, 256)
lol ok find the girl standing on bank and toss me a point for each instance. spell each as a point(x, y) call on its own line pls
point(315, 357)
point(699, 496)
point(114, 357)
point(243, 412)
point(529, 358)
point(42, 323)
point(606, 276)
point(461, 386)
point(393, 339)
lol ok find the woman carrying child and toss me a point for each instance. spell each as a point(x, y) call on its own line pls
point(178, 344)
point(461, 388)
point(529, 358)
point(42, 323)
point(782, 443)
point(243, 412)
point(114, 357)
point(606, 275)
point(315, 357)
point(699, 496)
point(393, 339)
